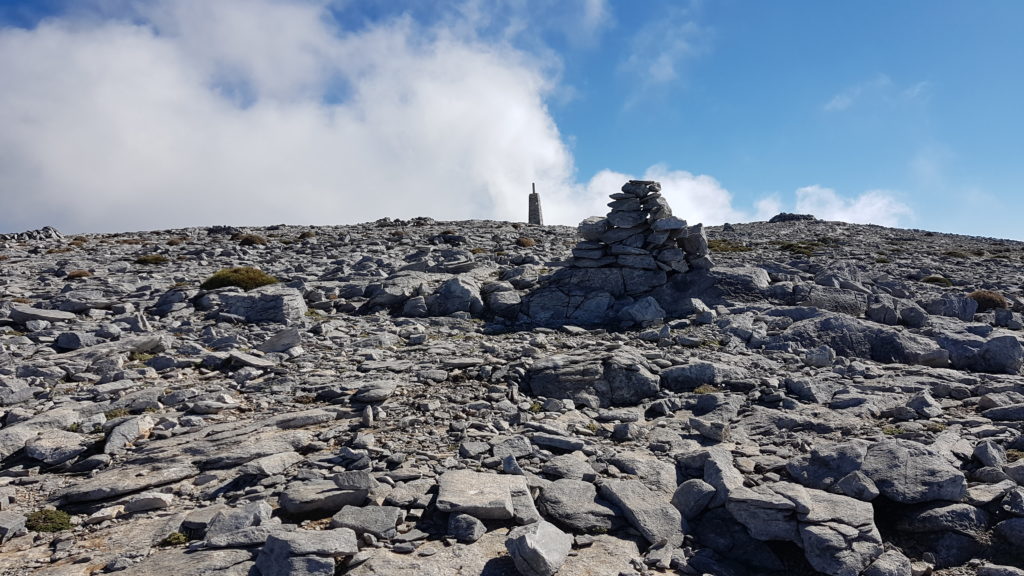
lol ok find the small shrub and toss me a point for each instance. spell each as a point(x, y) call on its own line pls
point(937, 280)
point(175, 241)
point(722, 245)
point(116, 413)
point(307, 234)
point(305, 399)
point(78, 274)
point(705, 389)
point(152, 259)
point(174, 539)
point(988, 300)
point(48, 521)
point(934, 427)
point(535, 407)
point(883, 260)
point(140, 357)
point(477, 250)
point(21, 300)
point(892, 430)
point(1012, 455)
point(251, 240)
point(244, 277)
point(525, 242)
point(956, 254)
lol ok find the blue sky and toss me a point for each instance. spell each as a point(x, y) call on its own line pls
point(266, 111)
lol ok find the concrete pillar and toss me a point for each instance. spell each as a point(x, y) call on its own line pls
point(536, 216)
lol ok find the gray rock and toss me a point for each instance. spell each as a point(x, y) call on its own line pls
point(376, 391)
point(1011, 530)
point(1010, 413)
point(11, 524)
point(622, 378)
point(953, 307)
point(692, 497)
point(274, 303)
point(538, 549)
point(76, 340)
point(380, 521)
point(125, 434)
point(231, 520)
point(890, 563)
point(271, 465)
point(281, 341)
point(998, 355)
point(54, 447)
point(656, 520)
point(21, 313)
point(457, 295)
point(321, 497)
point(573, 505)
point(465, 528)
point(484, 496)
point(148, 501)
point(941, 517)
point(118, 481)
point(910, 473)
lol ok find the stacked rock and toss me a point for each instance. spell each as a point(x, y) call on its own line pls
point(641, 232)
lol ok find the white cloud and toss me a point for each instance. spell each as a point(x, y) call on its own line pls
point(880, 89)
point(659, 49)
point(872, 207)
point(220, 112)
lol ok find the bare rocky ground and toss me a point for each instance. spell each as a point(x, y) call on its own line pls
point(825, 400)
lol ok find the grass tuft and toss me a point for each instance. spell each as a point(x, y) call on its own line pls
point(48, 521)
point(244, 277)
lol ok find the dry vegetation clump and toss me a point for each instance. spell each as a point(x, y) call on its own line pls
point(76, 274)
point(152, 259)
point(988, 300)
point(244, 277)
point(250, 240)
point(937, 280)
point(525, 242)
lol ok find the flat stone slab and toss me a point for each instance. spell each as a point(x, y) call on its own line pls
point(481, 495)
point(22, 313)
point(117, 482)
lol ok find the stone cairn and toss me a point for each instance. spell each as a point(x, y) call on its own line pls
point(641, 232)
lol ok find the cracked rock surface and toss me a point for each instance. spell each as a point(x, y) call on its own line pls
point(828, 398)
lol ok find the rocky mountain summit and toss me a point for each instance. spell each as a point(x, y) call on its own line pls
point(423, 397)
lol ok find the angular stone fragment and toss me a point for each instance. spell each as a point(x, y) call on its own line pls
point(538, 549)
point(910, 473)
point(655, 518)
point(483, 496)
point(11, 523)
point(321, 497)
point(22, 313)
point(116, 482)
point(122, 437)
point(380, 521)
point(274, 303)
point(573, 505)
point(465, 528)
point(54, 447)
point(270, 465)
